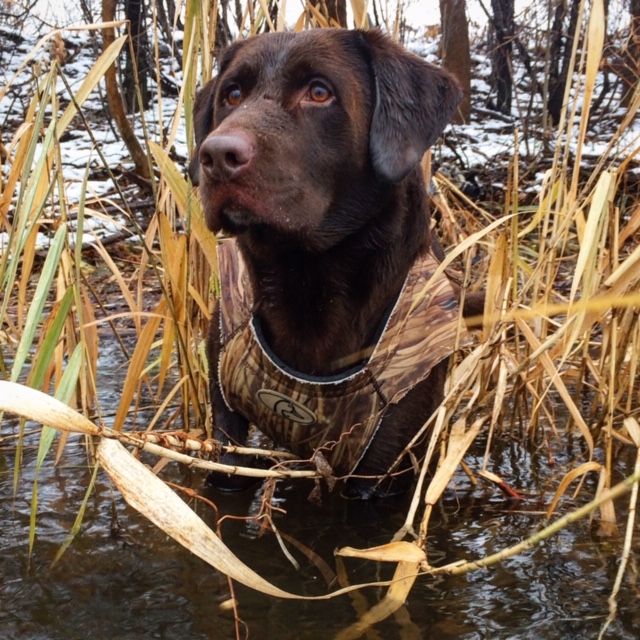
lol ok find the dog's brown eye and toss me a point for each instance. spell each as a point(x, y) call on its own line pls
point(233, 95)
point(318, 93)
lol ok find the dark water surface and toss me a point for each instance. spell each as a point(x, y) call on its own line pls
point(142, 584)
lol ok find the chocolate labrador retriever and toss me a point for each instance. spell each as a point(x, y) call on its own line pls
point(331, 334)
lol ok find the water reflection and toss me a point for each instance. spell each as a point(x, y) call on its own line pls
point(141, 584)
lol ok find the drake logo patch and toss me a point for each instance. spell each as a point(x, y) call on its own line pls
point(286, 407)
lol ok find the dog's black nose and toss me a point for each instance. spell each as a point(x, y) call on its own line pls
point(226, 157)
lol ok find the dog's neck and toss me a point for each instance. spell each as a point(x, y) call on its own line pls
point(320, 311)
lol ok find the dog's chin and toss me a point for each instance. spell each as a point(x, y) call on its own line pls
point(237, 220)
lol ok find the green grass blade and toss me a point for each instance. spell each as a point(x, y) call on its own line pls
point(46, 349)
point(39, 299)
point(64, 394)
point(79, 517)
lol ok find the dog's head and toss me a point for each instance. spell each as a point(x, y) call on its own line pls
point(305, 133)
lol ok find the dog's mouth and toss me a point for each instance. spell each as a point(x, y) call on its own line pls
point(231, 210)
point(238, 209)
point(237, 222)
point(235, 211)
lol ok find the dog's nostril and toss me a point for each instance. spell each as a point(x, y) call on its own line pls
point(205, 158)
point(232, 159)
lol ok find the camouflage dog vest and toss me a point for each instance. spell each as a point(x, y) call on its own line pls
point(337, 414)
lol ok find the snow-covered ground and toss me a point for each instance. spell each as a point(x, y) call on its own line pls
point(90, 143)
point(485, 145)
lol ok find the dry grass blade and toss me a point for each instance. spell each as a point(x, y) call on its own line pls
point(146, 493)
point(187, 203)
point(137, 364)
point(592, 465)
point(595, 43)
point(119, 277)
point(35, 185)
point(458, 442)
point(631, 227)
point(633, 428)
point(628, 271)
point(360, 17)
point(586, 265)
point(607, 522)
point(21, 141)
point(47, 38)
point(37, 406)
point(391, 552)
point(548, 196)
point(496, 284)
point(89, 83)
point(556, 380)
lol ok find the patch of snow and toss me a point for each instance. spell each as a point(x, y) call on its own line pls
point(486, 142)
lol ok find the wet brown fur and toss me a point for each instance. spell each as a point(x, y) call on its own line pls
point(327, 200)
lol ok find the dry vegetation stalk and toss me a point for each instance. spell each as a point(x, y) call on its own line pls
point(34, 405)
point(633, 428)
point(543, 347)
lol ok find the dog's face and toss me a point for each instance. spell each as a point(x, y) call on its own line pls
point(303, 134)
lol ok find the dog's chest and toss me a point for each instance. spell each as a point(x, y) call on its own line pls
point(337, 414)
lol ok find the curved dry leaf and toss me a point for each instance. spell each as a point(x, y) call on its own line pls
point(392, 552)
point(568, 479)
point(457, 444)
point(633, 429)
point(149, 495)
point(37, 406)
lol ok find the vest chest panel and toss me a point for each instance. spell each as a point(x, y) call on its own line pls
point(338, 415)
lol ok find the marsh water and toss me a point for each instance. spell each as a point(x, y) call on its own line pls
point(122, 578)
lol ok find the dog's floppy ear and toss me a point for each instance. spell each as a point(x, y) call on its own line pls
point(202, 125)
point(414, 102)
